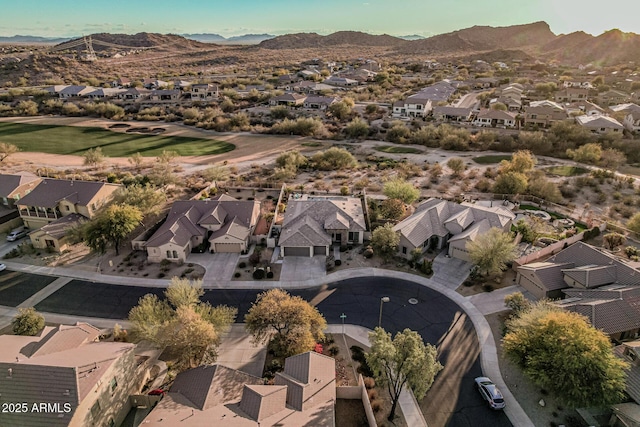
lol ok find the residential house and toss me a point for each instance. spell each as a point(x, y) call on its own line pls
point(612, 97)
point(52, 199)
point(413, 106)
point(82, 381)
point(495, 118)
point(628, 414)
point(55, 235)
point(165, 95)
point(153, 84)
point(632, 120)
point(585, 84)
point(543, 116)
point(436, 223)
point(121, 82)
point(204, 92)
point(312, 224)
point(319, 102)
point(14, 187)
point(512, 104)
point(452, 114)
point(341, 81)
point(600, 124)
point(572, 94)
point(309, 73)
point(222, 224)
point(55, 89)
point(513, 91)
point(75, 91)
point(583, 107)
point(288, 99)
point(310, 88)
point(133, 94)
point(624, 108)
point(304, 394)
point(287, 79)
point(104, 93)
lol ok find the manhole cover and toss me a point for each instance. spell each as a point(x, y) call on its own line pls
point(413, 301)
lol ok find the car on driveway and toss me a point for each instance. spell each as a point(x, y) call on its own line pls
point(3, 267)
point(490, 393)
point(16, 234)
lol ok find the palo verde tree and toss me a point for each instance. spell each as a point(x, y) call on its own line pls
point(291, 324)
point(111, 226)
point(187, 326)
point(6, 150)
point(491, 251)
point(385, 240)
point(398, 188)
point(405, 360)
point(561, 352)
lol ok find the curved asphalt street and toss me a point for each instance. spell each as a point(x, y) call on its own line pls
point(452, 400)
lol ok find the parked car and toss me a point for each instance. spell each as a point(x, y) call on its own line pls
point(3, 267)
point(16, 234)
point(490, 393)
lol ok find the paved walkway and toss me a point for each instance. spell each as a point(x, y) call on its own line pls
point(488, 355)
point(450, 272)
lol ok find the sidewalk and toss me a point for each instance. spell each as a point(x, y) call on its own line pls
point(488, 354)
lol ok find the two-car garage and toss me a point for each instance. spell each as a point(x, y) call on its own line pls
point(306, 251)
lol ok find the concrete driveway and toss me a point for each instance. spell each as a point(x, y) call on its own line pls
point(218, 266)
point(236, 351)
point(297, 268)
point(450, 272)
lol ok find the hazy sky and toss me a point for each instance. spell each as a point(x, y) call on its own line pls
point(233, 17)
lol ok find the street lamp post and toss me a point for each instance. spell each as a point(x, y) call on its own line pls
point(382, 301)
point(343, 316)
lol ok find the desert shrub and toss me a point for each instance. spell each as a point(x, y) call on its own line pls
point(369, 383)
point(333, 350)
point(242, 264)
point(236, 274)
point(259, 274)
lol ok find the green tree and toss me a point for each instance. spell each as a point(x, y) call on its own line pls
point(292, 324)
point(634, 224)
point(511, 183)
point(216, 173)
point(457, 165)
point(398, 188)
point(539, 186)
point(292, 159)
point(356, 129)
point(27, 108)
point(111, 226)
point(341, 110)
point(391, 209)
point(27, 322)
point(404, 361)
point(93, 156)
point(587, 153)
point(6, 150)
point(491, 251)
point(498, 106)
point(613, 240)
point(280, 112)
point(144, 197)
point(517, 303)
point(334, 159)
point(385, 240)
point(561, 352)
point(521, 162)
point(190, 328)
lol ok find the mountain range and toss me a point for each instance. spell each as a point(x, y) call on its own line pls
point(33, 39)
point(218, 39)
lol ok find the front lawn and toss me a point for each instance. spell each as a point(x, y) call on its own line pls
point(74, 140)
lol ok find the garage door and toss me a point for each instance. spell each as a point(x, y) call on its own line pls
point(228, 248)
point(319, 250)
point(459, 254)
point(293, 251)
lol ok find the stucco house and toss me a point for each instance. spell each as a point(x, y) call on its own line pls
point(204, 92)
point(304, 394)
point(222, 224)
point(495, 118)
point(452, 114)
point(591, 282)
point(319, 102)
point(84, 381)
point(413, 106)
point(288, 99)
point(436, 223)
point(14, 187)
point(312, 224)
point(600, 124)
point(632, 120)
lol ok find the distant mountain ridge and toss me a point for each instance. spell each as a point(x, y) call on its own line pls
point(217, 38)
point(314, 40)
point(108, 41)
point(609, 48)
point(33, 39)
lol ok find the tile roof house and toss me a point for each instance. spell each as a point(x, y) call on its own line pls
point(436, 223)
point(53, 199)
point(85, 382)
point(288, 99)
point(452, 114)
point(319, 102)
point(632, 119)
point(222, 224)
point(571, 94)
point(304, 394)
point(314, 223)
point(74, 91)
point(543, 116)
point(595, 284)
point(629, 413)
point(600, 124)
point(14, 187)
point(612, 97)
point(204, 92)
point(495, 118)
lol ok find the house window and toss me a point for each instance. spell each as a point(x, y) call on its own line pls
point(95, 409)
point(113, 384)
point(404, 250)
point(175, 254)
point(354, 236)
point(66, 207)
point(168, 254)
